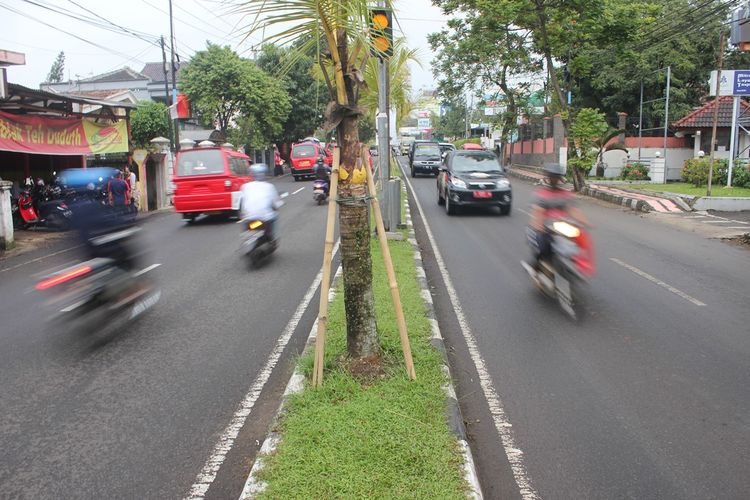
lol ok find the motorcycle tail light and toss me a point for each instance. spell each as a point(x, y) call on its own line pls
point(62, 278)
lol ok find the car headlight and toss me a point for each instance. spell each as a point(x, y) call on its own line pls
point(458, 183)
point(503, 183)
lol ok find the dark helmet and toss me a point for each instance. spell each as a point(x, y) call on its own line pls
point(554, 170)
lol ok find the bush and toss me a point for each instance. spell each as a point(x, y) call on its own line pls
point(740, 174)
point(695, 171)
point(635, 172)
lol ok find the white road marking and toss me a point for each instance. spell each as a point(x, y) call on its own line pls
point(297, 191)
point(499, 418)
point(523, 211)
point(657, 281)
point(723, 221)
point(738, 227)
point(149, 268)
point(39, 258)
point(739, 221)
point(210, 469)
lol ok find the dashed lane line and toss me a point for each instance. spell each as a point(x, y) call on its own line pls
point(657, 281)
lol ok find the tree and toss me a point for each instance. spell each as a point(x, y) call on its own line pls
point(307, 94)
point(57, 71)
point(225, 88)
point(588, 126)
point(336, 32)
point(602, 144)
point(453, 121)
point(147, 121)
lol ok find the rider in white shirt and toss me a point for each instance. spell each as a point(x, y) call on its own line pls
point(260, 200)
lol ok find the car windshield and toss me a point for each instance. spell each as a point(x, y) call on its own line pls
point(477, 162)
point(305, 151)
point(197, 162)
point(427, 151)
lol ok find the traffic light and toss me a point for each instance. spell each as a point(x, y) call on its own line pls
point(381, 32)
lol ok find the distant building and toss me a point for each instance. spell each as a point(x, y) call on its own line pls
point(154, 71)
point(120, 80)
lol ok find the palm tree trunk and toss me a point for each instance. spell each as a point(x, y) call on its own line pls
point(354, 227)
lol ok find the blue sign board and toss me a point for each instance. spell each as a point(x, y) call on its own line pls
point(741, 82)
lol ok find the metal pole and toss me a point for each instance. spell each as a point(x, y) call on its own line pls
point(666, 119)
point(640, 121)
point(174, 79)
point(382, 126)
point(733, 139)
point(717, 102)
point(166, 90)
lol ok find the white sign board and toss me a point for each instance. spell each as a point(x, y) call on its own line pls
point(423, 123)
point(733, 82)
point(3, 84)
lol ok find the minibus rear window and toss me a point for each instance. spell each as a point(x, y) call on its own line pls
point(197, 162)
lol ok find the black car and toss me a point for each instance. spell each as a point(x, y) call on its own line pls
point(425, 159)
point(416, 143)
point(473, 178)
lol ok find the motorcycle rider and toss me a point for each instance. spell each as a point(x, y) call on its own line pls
point(260, 200)
point(551, 201)
point(323, 172)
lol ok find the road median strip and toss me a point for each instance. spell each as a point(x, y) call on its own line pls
point(377, 434)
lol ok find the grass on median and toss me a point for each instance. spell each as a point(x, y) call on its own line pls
point(689, 189)
point(384, 437)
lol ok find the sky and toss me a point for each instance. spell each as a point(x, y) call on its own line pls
point(33, 28)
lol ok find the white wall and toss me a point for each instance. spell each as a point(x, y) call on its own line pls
point(676, 157)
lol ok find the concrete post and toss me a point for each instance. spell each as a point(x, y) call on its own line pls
point(658, 171)
point(558, 133)
point(6, 216)
point(547, 132)
point(622, 123)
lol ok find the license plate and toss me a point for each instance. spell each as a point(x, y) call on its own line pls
point(482, 194)
point(304, 163)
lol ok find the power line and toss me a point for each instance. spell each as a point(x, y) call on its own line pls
point(151, 41)
point(28, 16)
point(220, 37)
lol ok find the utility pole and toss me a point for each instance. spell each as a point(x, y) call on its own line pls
point(166, 89)
point(383, 126)
point(716, 112)
point(174, 78)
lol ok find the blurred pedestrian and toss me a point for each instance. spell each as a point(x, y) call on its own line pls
point(118, 190)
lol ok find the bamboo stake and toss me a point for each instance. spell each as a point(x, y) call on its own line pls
point(405, 346)
point(325, 284)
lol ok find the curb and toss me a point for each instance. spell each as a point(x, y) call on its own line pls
point(624, 201)
point(253, 485)
point(452, 409)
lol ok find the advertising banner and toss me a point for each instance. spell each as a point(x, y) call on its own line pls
point(61, 136)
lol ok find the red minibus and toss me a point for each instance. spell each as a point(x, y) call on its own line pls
point(208, 181)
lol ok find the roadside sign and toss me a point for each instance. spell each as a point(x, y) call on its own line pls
point(423, 123)
point(734, 82)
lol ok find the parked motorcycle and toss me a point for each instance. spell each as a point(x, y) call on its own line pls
point(568, 268)
point(102, 292)
point(47, 211)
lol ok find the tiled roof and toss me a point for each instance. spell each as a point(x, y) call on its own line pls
point(96, 94)
point(155, 71)
point(703, 117)
point(119, 75)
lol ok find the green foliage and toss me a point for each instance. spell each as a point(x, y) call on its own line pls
point(307, 94)
point(225, 88)
point(149, 120)
point(635, 172)
point(57, 71)
point(453, 122)
point(695, 171)
point(588, 126)
point(740, 174)
point(367, 129)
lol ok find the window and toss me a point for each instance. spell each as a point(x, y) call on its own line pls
point(239, 166)
point(200, 162)
point(427, 151)
point(303, 151)
point(475, 162)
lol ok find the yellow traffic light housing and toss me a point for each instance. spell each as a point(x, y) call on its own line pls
point(381, 32)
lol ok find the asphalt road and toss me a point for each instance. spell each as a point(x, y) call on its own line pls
point(137, 414)
point(645, 397)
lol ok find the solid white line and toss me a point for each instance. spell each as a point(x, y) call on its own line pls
point(500, 419)
point(725, 221)
point(523, 211)
point(39, 258)
point(210, 469)
point(297, 191)
point(657, 281)
point(737, 227)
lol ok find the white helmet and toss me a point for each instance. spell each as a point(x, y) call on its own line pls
point(259, 171)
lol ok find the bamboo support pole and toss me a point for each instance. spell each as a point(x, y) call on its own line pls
point(320, 336)
point(383, 238)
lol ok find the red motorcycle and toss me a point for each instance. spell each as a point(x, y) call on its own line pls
point(54, 214)
point(569, 266)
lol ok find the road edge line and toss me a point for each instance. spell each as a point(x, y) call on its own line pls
point(205, 478)
point(453, 410)
point(499, 418)
point(254, 486)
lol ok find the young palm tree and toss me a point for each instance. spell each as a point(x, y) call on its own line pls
point(601, 144)
point(336, 32)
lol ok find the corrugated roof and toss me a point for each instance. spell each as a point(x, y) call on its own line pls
point(119, 75)
point(703, 117)
point(155, 71)
point(97, 94)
